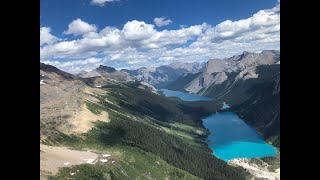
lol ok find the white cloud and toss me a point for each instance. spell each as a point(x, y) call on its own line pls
point(46, 37)
point(182, 26)
point(76, 65)
point(101, 2)
point(138, 30)
point(162, 21)
point(261, 31)
point(139, 44)
point(79, 27)
point(134, 34)
point(259, 23)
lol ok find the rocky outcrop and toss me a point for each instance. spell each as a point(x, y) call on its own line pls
point(259, 168)
point(62, 103)
point(147, 87)
point(107, 72)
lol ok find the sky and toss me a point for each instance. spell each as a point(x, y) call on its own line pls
point(78, 35)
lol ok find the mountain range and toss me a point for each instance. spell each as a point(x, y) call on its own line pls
point(145, 134)
point(137, 127)
point(156, 76)
point(217, 71)
point(249, 83)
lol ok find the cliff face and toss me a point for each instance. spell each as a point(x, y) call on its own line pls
point(164, 75)
point(106, 72)
point(217, 71)
point(250, 83)
point(62, 103)
point(262, 109)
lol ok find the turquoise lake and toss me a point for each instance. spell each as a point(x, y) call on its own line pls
point(185, 96)
point(230, 136)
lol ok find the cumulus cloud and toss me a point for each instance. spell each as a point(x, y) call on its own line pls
point(101, 2)
point(259, 24)
point(79, 27)
point(134, 34)
point(46, 37)
point(139, 44)
point(76, 65)
point(137, 30)
point(162, 21)
point(182, 26)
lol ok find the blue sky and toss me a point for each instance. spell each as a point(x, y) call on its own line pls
point(81, 34)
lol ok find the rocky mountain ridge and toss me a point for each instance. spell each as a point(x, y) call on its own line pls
point(216, 70)
point(163, 75)
point(249, 83)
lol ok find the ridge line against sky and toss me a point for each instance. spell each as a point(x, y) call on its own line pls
point(84, 45)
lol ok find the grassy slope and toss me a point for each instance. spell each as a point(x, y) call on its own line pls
point(154, 129)
point(132, 164)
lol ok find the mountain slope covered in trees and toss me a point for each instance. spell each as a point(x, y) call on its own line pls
point(249, 83)
point(141, 125)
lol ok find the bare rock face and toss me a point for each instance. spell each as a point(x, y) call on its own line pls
point(106, 69)
point(155, 76)
point(98, 81)
point(219, 78)
point(259, 168)
point(107, 72)
point(196, 85)
point(162, 75)
point(148, 87)
point(216, 70)
point(62, 102)
point(89, 74)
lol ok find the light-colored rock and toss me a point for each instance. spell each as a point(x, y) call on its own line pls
point(215, 71)
point(62, 104)
point(258, 171)
point(166, 73)
point(147, 86)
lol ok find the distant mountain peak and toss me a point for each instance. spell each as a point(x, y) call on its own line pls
point(245, 54)
point(217, 71)
point(106, 69)
point(47, 67)
point(51, 69)
point(271, 51)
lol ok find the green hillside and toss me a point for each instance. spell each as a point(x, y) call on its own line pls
point(148, 128)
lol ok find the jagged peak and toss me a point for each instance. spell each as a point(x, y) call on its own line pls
point(52, 69)
point(106, 68)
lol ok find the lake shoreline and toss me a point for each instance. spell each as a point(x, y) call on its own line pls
point(232, 140)
point(260, 167)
